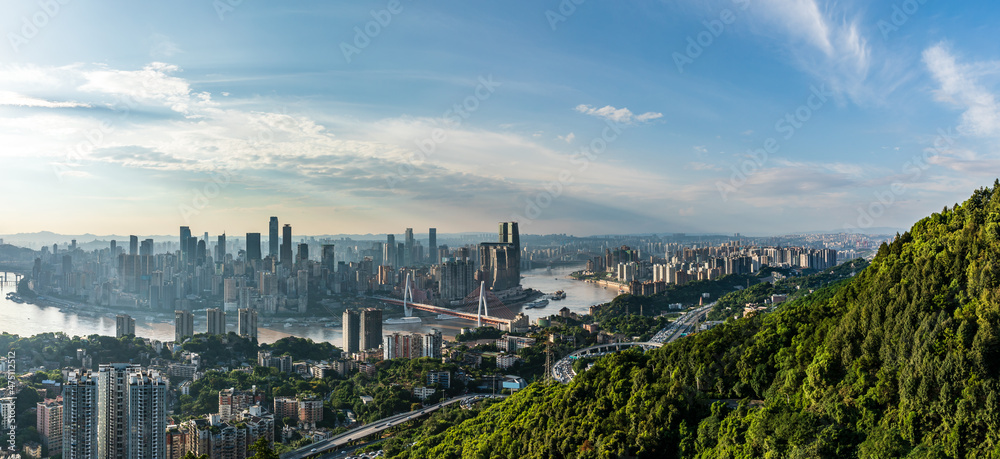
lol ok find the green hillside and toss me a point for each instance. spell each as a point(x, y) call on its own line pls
point(899, 361)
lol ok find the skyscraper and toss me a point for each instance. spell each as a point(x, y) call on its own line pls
point(216, 319)
point(183, 325)
point(253, 247)
point(124, 325)
point(272, 242)
point(146, 248)
point(133, 245)
point(432, 246)
point(500, 262)
point(432, 344)
point(370, 329)
point(327, 258)
point(352, 333)
point(247, 323)
point(389, 251)
point(220, 249)
point(79, 425)
point(131, 412)
point(286, 246)
point(185, 235)
point(408, 248)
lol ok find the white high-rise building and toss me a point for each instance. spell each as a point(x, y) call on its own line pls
point(79, 426)
point(131, 412)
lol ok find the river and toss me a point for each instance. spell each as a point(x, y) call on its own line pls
point(29, 319)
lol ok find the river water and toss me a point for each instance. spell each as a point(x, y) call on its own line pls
point(29, 319)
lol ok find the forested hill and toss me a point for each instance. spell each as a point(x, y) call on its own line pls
point(900, 361)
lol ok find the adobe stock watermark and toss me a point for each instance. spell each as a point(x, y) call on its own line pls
point(565, 9)
point(33, 24)
point(714, 28)
point(363, 35)
point(535, 204)
point(11, 418)
point(787, 126)
point(453, 118)
point(901, 14)
point(224, 7)
point(913, 169)
point(94, 138)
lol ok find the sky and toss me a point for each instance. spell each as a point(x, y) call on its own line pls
point(573, 116)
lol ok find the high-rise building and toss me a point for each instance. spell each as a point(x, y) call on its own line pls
point(432, 344)
point(220, 249)
point(247, 323)
point(432, 244)
point(183, 325)
point(253, 246)
point(302, 256)
point(352, 331)
point(389, 251)
point(370, 330)
point(457, 278)
point(272, 242)
point(216, 319)
point(232, 402)
point(124, 325)
point(131, 412)
point(48, 421)
point(146, 248)
point(79, 413)
point(408, 248)
point(185, 236)
point(133, 245)
point(500, 262)
point(327, 258)
point(286, 246)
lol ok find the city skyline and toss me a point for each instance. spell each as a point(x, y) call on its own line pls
point(608, 118)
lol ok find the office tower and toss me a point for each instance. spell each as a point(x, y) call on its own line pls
point(79, 426)
point(131, 412)
point(408, 248)
point(146, 248)
point(272, 242)
point(247, 323)
point(133, 245)
point(183, 325)
point(48, 421)
point(432, 344)
point(400, 250)
point(185, 235)
point(286, 246)
point(500, 262)
point(220, 249)
point(114, 248)
point(370, 330)
point(253, 247)
point(216, 319)
point(124, 325)
point(303, 255)
point(389, 251)
point(432, 244)
point(352, 333)
point(327, 258)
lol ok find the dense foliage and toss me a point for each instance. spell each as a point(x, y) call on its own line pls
point(900, 360)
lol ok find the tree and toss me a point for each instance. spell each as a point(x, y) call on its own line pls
point(262, 449)
point(190, 455)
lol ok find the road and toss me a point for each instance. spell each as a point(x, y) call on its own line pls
point(368, 429)
point(563, 372)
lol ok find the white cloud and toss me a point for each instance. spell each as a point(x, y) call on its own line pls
point(960, 87)
point(618, 115)
point(568, 138)
point(20, 100)
point(153, 83)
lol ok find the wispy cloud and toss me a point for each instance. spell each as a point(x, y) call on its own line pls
point(618, 115)
point(960, 87)
point(20, 100)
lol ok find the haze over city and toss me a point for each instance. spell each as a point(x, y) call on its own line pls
point(589, 118)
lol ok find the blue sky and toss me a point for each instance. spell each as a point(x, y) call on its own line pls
point(591, 118)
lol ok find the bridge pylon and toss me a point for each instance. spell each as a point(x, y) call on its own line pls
point(407, 297)
point(484, 307)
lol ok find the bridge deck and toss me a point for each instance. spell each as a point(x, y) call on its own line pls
point(451, 312)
